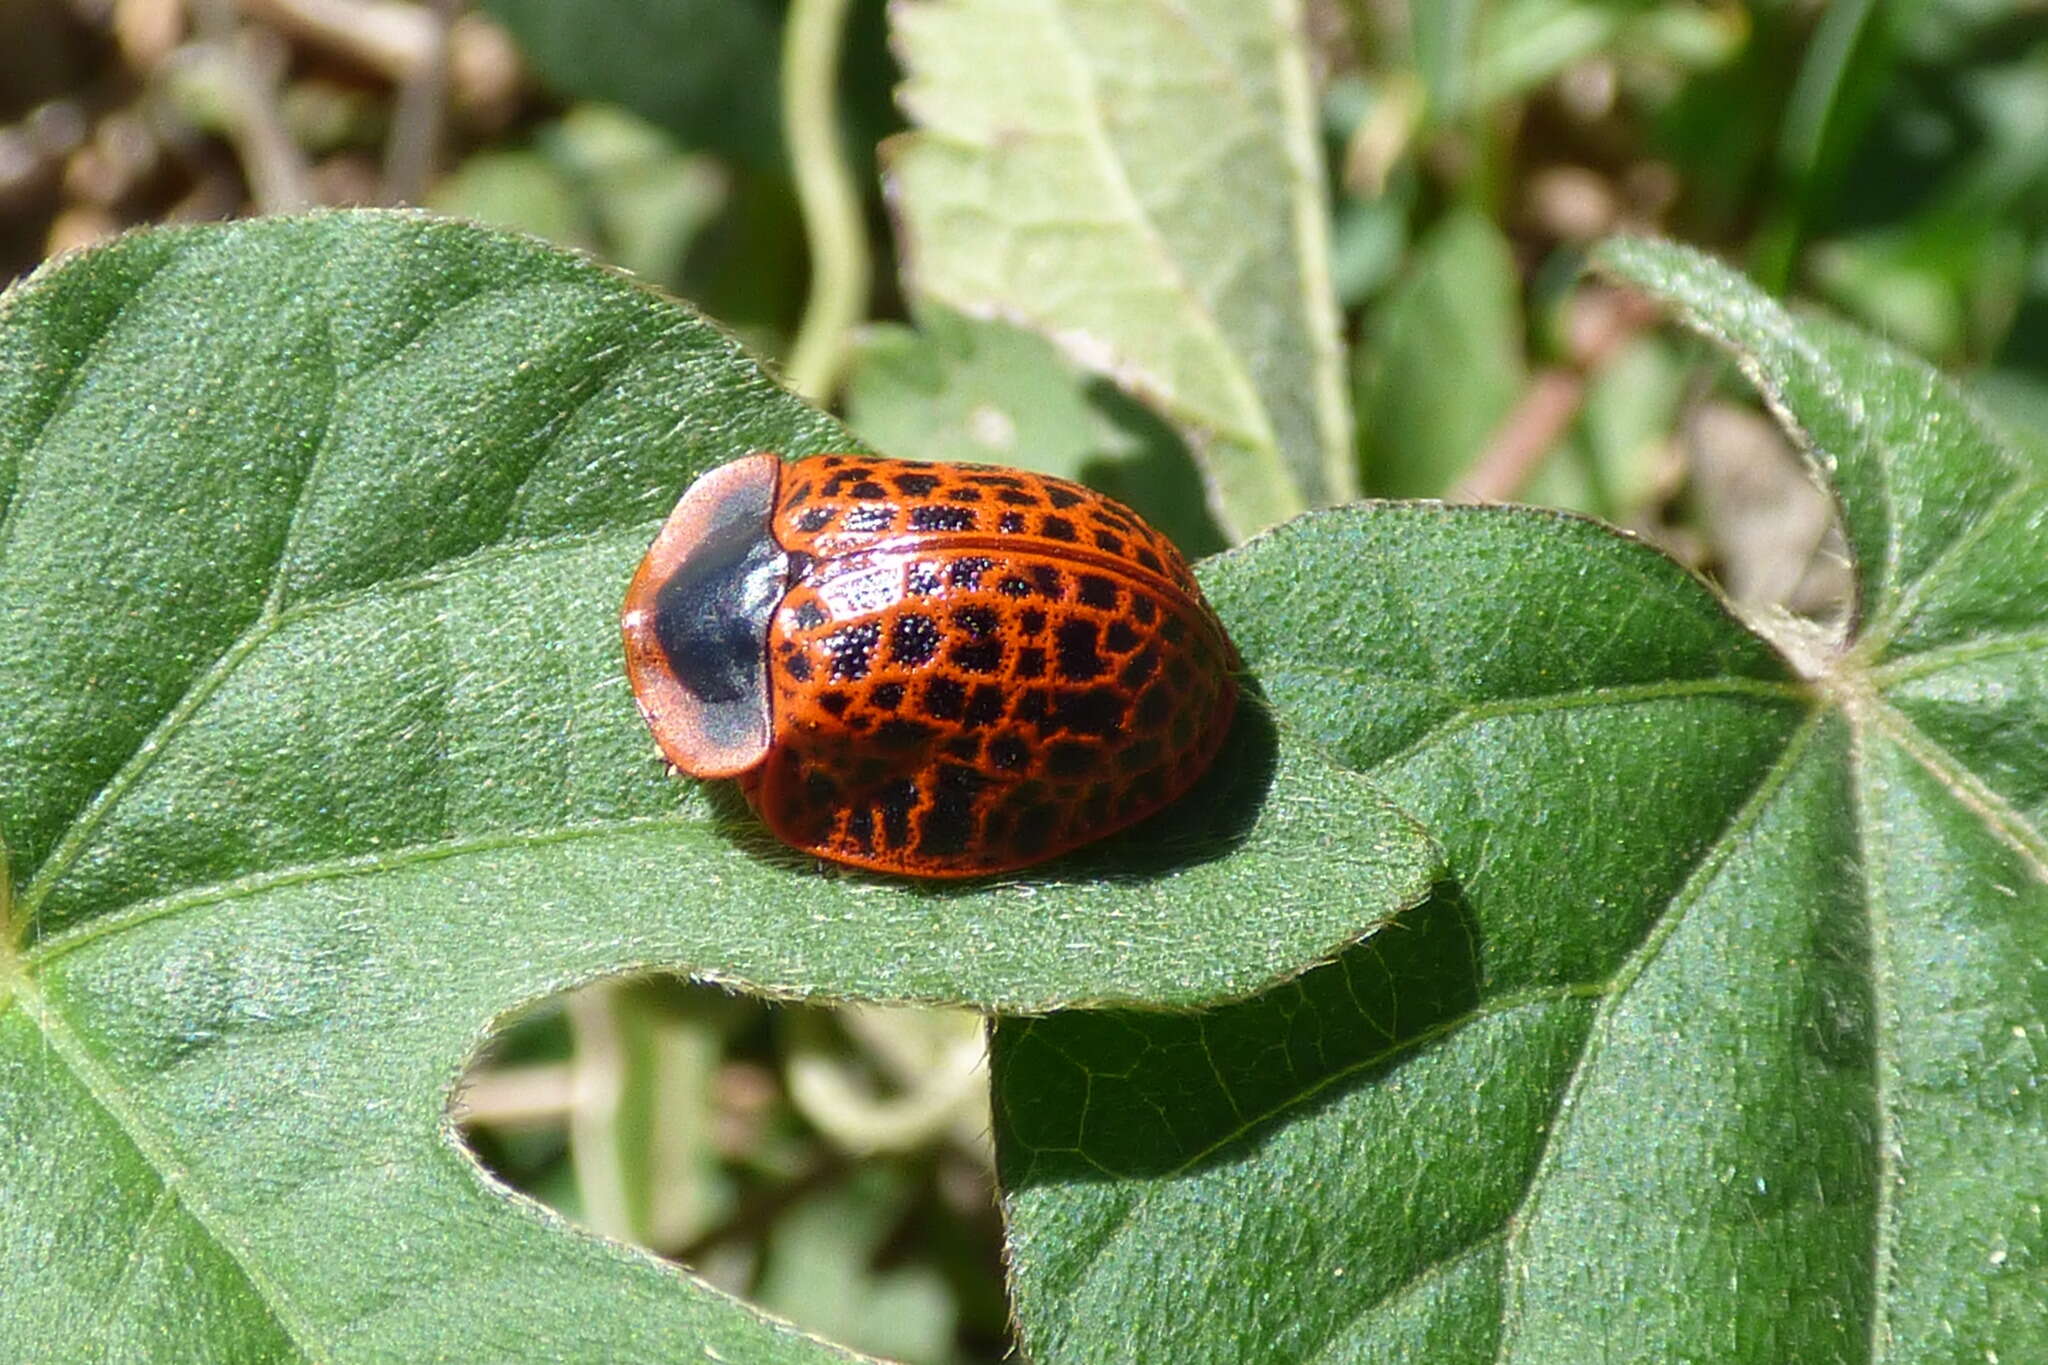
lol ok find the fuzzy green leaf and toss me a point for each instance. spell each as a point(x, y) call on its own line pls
point(316, 756)
point(1722, 1039)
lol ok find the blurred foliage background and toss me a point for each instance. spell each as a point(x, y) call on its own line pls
point(1887, 159)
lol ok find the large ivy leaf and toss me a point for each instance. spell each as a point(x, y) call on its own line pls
point(1141, 184)
point(1723, 1040)
point(315, 756)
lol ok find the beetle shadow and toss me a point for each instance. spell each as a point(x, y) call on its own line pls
point(1378, 1007)
point(1211, 820)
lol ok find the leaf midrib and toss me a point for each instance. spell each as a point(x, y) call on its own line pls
point(269, 618)
point(174, 1178)
point(121, 919)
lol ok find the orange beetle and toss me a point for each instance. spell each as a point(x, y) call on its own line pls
point(934, 670)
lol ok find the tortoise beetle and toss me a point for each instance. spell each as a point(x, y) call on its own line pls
point(932, 670)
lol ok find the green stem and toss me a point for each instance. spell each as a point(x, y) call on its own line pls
point(834, 226)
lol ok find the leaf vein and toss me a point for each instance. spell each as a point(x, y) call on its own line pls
point(69, 392)
point(171, 1170)
point(1616, 988)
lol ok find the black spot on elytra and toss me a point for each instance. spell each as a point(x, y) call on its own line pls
point(1035, 825)
point(896, 801)
point(1143, 609)
point(1031, 662)
point(868, 519)
point(1138, 669)
point(985, 705)
point(1013, 586)
point(913, 639)
point(963, 494)
point(979, 656)
point(886, 696)
point(817, 519)
point(1011, 524)
point(797, 497)
point(1097, 591)
point(939, 517)
point(899, 732)
point(798, 666)
point(1153, 707)
point(1055, 528)
point(968, 569)
point(809, 616)
point(1142, 753)
point(1031, 620)
point(966, 748)
point(1174, 628)
point(1031, 706)
point(867, 490)
point(835, 702)
point(979, 622)
point(860, 829)
point(852, 648)
point(996, 480)
point(1077, 657)
point(1062, 498)
point(1070, 758)
point(1097, 711)
point(1148, 559)
point(945, 699)
point(1106, 540)
point(1015, 497)
point(916, 485)
point(949, 824)
point(1120, 638)
point(1007, 753)
point(921, 579)
point(1046, 579)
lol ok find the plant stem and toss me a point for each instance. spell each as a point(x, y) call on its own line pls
point(834, 227)
point(414, 148)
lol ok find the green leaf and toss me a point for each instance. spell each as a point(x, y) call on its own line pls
point(1141, 185)
point(1445, 362)
point(1721, 1040)
point(315, 757)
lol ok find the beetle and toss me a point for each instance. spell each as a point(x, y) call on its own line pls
point(931, 670)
